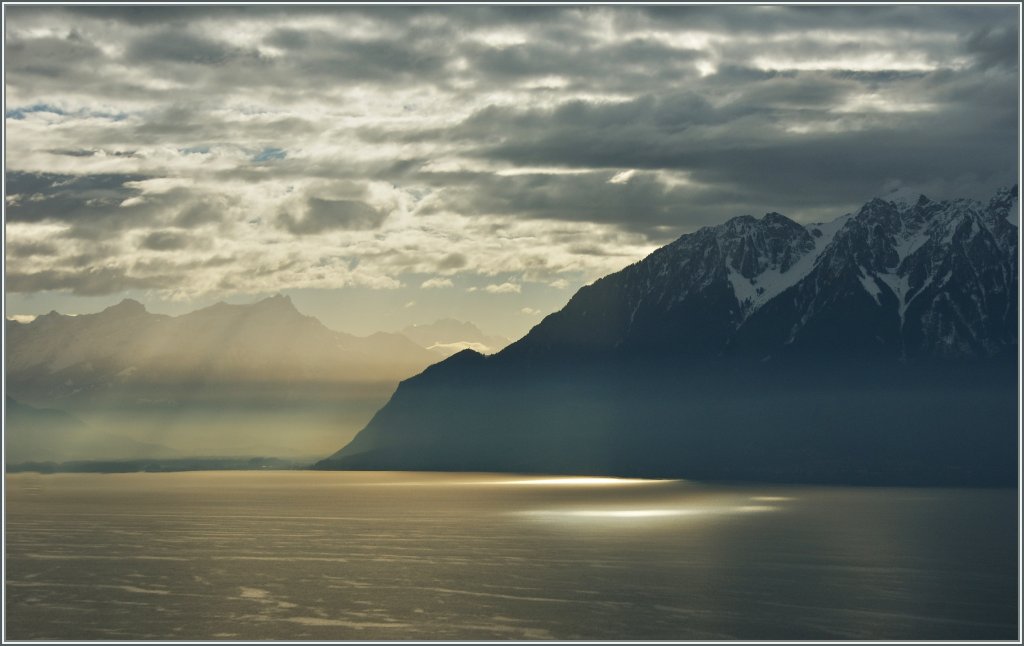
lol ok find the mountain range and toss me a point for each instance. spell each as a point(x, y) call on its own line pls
point(256, 379)
point(268, 341)
point(880, 347)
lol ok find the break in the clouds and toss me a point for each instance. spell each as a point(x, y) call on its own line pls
point(214, 150)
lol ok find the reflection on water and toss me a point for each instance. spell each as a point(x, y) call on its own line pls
point(650, 513)
point(567, 481)
point(314, 556)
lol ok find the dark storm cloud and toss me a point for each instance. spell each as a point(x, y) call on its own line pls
point(641, 203)
point(325, 215)
point(811, 90)
point(745, 146)
point(769, 19)
point(994, 46)
point(649, 134)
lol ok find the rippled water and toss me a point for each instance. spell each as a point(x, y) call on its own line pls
point(382, 556)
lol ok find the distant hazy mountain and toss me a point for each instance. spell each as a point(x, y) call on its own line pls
point(235, 380)
point(33, 434)
point(269, 342)
point(880, 347)
point(448, 336)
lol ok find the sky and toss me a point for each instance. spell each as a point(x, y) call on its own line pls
point(387, 166)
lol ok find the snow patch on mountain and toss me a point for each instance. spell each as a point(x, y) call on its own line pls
point(900, 286)
point(754, 292)
point(906, 246)
point(871, 287)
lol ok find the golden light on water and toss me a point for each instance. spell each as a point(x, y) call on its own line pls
point(629, 513)
point(580, 481)
point(659, 512)
point(435, 480)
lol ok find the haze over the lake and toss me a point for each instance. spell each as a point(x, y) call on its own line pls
point(388, 166)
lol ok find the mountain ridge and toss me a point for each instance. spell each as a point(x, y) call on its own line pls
point(260, 378)
point(900, 294)
point(266, 340)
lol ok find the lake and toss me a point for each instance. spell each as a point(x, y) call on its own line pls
point(392, 556)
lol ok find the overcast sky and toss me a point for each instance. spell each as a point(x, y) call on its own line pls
point(393, 165)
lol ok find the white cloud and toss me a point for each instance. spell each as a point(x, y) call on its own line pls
point(448, 349)
point(503, 288)
point(529, 311)
point(623, 177)
point(436, 283)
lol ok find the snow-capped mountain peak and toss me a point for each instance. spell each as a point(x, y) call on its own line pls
point(910, 279)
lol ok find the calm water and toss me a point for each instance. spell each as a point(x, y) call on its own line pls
point(382, 556)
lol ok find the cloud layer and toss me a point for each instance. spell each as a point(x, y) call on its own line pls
point(205, 150)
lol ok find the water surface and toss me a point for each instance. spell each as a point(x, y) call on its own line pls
point(393, 556)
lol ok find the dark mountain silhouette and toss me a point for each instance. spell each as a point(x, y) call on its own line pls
point(878, 348)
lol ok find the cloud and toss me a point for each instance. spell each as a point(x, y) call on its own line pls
point(166, 241)
point(529, 311)
point(269, 154)
point(176, 46)
point(325, 146)
point(458, 346)
point(324, 215)
point(33, 197)
point(31, 248)
point(92, 281)
point(623, 177)
point(51, 55)
point(645, 203)
point(436, 283)
point(503, 288)
point(452, 261)
point(993, 46)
